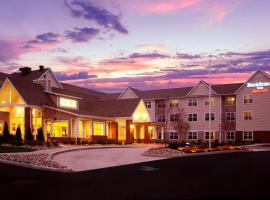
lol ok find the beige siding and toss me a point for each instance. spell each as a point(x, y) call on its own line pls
point(200, 89)
point(128, 94)
point(152, 111)
point(260, 108)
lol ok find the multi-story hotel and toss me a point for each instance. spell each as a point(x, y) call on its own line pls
point(34, 98)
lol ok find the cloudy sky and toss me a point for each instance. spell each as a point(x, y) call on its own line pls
point(147, 44)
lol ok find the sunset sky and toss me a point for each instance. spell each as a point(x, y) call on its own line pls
point(147, 44)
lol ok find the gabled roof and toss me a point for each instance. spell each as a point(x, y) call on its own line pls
point(227, 89)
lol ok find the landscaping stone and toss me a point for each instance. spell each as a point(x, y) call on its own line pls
point(163, 152)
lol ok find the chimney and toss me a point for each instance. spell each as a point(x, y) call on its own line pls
point(25, 70)
point(41, 68)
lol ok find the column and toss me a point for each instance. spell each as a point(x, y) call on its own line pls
point(162, 133)
point(51, 128)
point(77, 129)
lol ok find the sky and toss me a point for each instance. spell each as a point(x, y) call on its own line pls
point(109, 45)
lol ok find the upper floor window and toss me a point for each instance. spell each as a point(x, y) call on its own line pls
point(173, 103)
point(192, 117)
point(207, 117)
point(174, 118)
point(248, 116)
point(248, 98)
point(192, 102)
point(161, 118)
point(147, 104)
point(230, 100)
point(68, 103)
point(230, 116)
point(161, 104)
point(206, 102)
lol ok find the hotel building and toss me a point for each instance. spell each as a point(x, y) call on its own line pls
point(35, 98)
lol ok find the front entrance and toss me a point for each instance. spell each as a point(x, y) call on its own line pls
point(138, 132)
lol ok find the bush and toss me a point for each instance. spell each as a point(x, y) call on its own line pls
point(84, 142)
point(54, 143)
point(40, 135)
point(174, 145)
point(18, 134)
point(29, 135)
point(6, 134)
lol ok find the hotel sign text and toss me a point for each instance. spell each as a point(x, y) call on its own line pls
point(258, 85)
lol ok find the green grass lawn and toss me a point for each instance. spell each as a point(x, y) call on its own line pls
point(14, 149)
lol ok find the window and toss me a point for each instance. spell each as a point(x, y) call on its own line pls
point(161, 104)
point(248, 135)
point(207, 116)
point(147, 104)
point(1, 127)
point(60, 129)
point(192, 117)
point(230, 100)
point(248, 98)
point(173, 103)
point(230, 135)
point(192, 135)
point(206, 135)
point(173, 118)
point(68, 103)
point(161, 118)
point(99, 128)
point(192, 102)
point(248, 116)
point(206, 102)
point(230, 116)
point(173, 136)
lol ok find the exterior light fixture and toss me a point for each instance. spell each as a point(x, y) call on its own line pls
point(132, 126)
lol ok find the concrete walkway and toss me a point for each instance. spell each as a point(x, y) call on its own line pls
point(94, 158)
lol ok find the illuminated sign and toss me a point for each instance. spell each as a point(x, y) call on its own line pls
point(258, 85)
point(256, 91)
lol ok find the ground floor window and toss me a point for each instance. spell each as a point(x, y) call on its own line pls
point(206, 135)
point(230, 135)
point(99, 128)
point(1, 127)
point(248, 135)
point(192, 135)
point(173, 136)
point(60, 129)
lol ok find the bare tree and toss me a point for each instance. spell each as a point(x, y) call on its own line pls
point(180, 124)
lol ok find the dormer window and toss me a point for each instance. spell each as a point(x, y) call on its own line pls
point(68, 103)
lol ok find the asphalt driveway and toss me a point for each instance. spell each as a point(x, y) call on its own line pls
point(103, 157)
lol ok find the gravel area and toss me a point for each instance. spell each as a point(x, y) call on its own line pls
point(38, 159)
point(163, 152)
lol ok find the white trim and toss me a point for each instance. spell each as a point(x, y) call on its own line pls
point(128, 88)
point(49, 70)
point(58, 103)
point(243, 102)
point(194, 87)
point(248, 119)
point(197, 132)
point(64, 95)
point(247, 139)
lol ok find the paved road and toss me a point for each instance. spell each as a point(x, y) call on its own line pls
point(103, 157)
point(238, 175)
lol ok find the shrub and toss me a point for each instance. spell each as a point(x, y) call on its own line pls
point(18, 134)
point(29, 135)
point(174, 145)
point(6, 134)
point(54, 143)
point(84, 142)
point(40, 135)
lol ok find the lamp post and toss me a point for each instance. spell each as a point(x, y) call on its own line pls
point(210, 104)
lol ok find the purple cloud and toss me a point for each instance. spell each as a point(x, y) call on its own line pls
point(75, 76)
point(188, 56)
point(8, 50)
point(100, 15)
point(43, 39)
point(154, 55)
point(81, 34)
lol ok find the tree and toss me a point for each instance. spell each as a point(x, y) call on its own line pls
point(40, 135)
point(6, 134)
point(18, 134)
point(180, 124)
point(29, 135)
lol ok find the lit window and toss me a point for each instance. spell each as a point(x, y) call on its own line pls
point(68, 103)
point(207, 116)
point(230, 116)
point(248, 116)
point(99, 128)
point(147, 104)
point(192, 102)
point(161, 118)
point(230, 135)
point(192, 117)
point(206, 102)
point(248, 98)
point(192, 135)
point(230, 100)
point(206, 135)
point(173, 103)
point(173, 136)
point(248, 135)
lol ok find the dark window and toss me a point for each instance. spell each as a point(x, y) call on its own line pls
point(161, 118)
point(230, 116)
point(192, 117)
point(161, 104)
point(147, 104)
point(248, 135)
point(230, 135)
point(207, 116)
point(192, 135)
point(192, 102)
point(173, 118)
point(206, 135)
point(173, 136)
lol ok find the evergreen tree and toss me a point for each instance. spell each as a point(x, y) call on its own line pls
point(40, 135)
point(29, 135)
point(18, 134)
point(6, 134)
